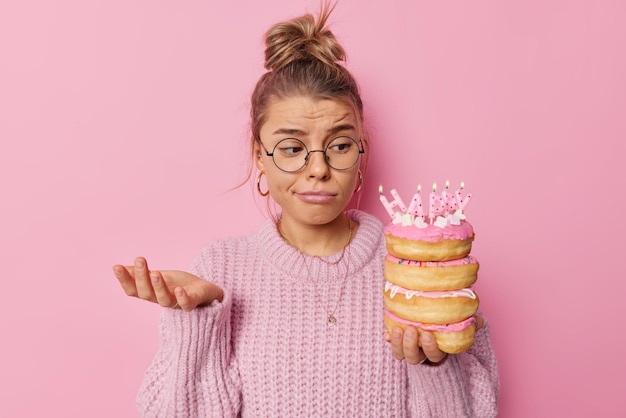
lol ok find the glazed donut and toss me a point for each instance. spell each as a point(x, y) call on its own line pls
point(452, 338)
point(431, 275)
point(442, 307)
point(429, 243)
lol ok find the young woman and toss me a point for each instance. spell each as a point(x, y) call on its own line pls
point(288, 321)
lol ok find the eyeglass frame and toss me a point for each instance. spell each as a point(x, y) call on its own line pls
point(358, 143)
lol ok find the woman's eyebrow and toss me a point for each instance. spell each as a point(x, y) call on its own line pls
point(289, 131)
point(300, 132)
point(341, 128)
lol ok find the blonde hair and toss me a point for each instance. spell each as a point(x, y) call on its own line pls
point(303, 58)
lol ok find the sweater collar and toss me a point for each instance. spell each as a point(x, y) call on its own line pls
point(289, 260)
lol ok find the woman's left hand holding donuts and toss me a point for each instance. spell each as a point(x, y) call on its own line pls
point(405, 345)
point(416, 347)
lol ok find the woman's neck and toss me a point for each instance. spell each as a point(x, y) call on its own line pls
point(318, 240)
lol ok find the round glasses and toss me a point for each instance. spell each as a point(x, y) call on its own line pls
point(291, 155)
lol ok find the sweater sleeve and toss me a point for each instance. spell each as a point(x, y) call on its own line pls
point(193, 373)
point(465, 385)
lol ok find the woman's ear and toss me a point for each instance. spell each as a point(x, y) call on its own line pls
point(257, 156)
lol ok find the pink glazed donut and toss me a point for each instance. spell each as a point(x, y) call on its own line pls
point(431, 243)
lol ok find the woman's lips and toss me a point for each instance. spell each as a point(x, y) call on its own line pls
point(316, 196)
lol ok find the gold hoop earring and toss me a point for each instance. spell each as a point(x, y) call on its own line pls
point(358, 189)
point(258, 185)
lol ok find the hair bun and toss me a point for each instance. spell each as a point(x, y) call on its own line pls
point(302, 39)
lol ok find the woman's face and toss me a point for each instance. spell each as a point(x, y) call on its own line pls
point(317, 194)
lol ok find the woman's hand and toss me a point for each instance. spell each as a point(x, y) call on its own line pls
point(417, 347)
point(168, 288)
point(414, 347)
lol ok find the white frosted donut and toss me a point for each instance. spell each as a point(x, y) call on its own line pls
point(431, 275)
point(431, 243)
point(452, 338)
point(442, 307)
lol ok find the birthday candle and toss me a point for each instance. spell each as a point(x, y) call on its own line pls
point(415, 207)
point(451, 204)
point(460, 201)
point(431, 207)
point(398, 201)
point(440, 206)
point(388, 206)
point(465, 202)
point(445, 198)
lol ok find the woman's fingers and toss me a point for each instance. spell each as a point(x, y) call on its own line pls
point(396, 343)
point(430, 348)
point(188, 301)
point(163, 295)
point(127, 281)
point(414, 347)
point(405, 345)
point(145, 290)
point(168, 288)
point(185, 302)
point(410, 346)
point(135, 279)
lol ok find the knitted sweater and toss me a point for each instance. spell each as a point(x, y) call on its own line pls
point(267, 351)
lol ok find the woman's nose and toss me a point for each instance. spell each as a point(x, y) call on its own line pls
point(317, 166)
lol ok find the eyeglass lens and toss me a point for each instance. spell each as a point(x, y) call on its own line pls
point(291, 154)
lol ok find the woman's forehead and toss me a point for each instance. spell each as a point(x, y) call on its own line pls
point(302, 114)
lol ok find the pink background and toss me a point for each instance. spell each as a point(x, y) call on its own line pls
point(124, 124)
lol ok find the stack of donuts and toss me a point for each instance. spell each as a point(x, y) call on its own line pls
point(429, 271)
